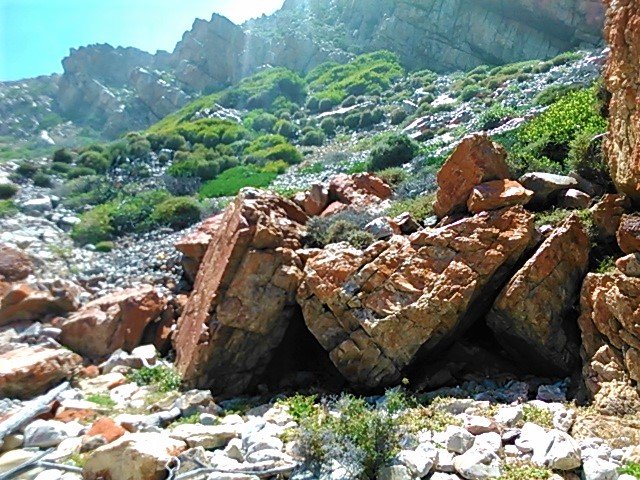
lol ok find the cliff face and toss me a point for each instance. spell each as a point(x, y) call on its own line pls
point(622, 77)
point(117, 89)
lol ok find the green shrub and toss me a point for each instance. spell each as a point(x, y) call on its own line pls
point(631, 468)
point(392, 151)
point(537, 415)
point(139, 147)
point(61, 168)
point(522, 471)
point(587, 158)
point(95, 226)
point(132, 213)
point(63, 155)
point(495, 116)
point(352, 121)
point(176, 213)
point(420, 207)
point(8, 190)
point(260, 121)
point(313, 138)
point(41, 179)
point(343, 227)
point(328, 126)
point(78, 172)
point(393, 176)
point(285, 128)
point(300, 406)
point(554, 93)
point(175, 141)
point(105, 246)
point(102, 399)
point(163, 378)
point(94, 160)
point(398, 115)
point(470, 91)
point(231, 181)
point(326, 104)
point(7, 209)
point(26, 169)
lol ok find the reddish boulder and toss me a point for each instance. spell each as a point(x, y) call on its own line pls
point(15, 265)
point(115, 321)
point(244, 294)
point(531, 318)
point(497, 194)
point(194, 245)
point(629, 233)
point(607, 213)
point(29, 371)
point(106, 428)
point(380, 310)
point(610, 327)
point(476, 160)
point(313, 201)
point(37, 301)
point(359, 190)
point(622, 79)
point(629, 265)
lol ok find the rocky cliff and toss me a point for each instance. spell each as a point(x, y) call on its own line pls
point(119, 89)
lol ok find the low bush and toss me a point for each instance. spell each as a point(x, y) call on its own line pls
point(420, 207)
point(94, 160)
point(285, 128)
point(495, 116)
point(8, 190)
point(328, 126)
point(587, 158)
point(176, 213)
point(347, 226)
point(7, 209)
point(471, 91)
point(95, 226)
point(398, 115)
point(26, 169)
point(392, 150)
point(78, 172)
point(105, 246)
point(631, 468)
point(163, 378)
point(393, 176)
point(231, 181)
point(63, 155)
point(41, 179)
point(313, 138)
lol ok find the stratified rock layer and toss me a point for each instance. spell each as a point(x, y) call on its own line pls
point(610, 326)
point(244, 294)
point(531, 317)
point(622, 78)
point(377, 311)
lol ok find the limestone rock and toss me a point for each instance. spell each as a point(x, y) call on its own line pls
point(116, 321)
point(23, 301)
point(377, 311)
point(622, 145)
point(15, 265)
point(476, 160)
point(137, 456)
point(497, 194)
point(244, 295)
point(29, 371)
point(607, 213)
point(610, 330)
point(531, 318)
point(629, 233)
point(546, 186)
point(573, 199)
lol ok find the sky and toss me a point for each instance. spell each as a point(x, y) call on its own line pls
point(36, 34)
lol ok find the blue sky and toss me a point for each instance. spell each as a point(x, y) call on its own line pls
point(36, 34)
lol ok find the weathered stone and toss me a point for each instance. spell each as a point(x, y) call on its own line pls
point(573, 199)
point(29, 371)
point(622, 145)
point(382, 228)
point(359, 190)
point(476, 160)
point(546, 187)
point(116, 321)
point(379, 310)
point(497, 194)
point(478, 464)
point(607, 213)
point(629, 265)
point(15, 265)
point(629, 233)
point(315, 200)
point(209, 437)
point(244, 294)
point(194, 245)
point(610, 327)
point(556, 450)
point(137, 456)
point(35, 302)
point(106, 428)
point(531, 316)
point(44, 434)
point(406, 223)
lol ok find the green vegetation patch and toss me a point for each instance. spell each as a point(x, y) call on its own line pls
point(231, 181)
point(163, 378)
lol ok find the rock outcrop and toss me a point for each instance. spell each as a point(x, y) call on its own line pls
point(628, 234)
point(15, 265)
point(532, 317)
point(244, 295)
point(607, 213)
point(29, 371)
point(22, 301)
point(194, 245)
point(610, 330)
point(622, 77)
point(115, 321)
point(497, 194)
point(476, 160)
point(377, 311)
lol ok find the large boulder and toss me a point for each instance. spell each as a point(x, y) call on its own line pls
point(476, 160)
point(547, 187)
point(497, 194)
point(377, 311)
point(314, 200)
point(244, 294)
point(29, 371)
point(628, 234)
point(531, 317)
point(194, 245)
point(622, 79)
point(136, 456)
point(115, 321)
point(610, 327)
point(15, 265)
point(607, 213)
point(358, 191)
point(23, 301)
